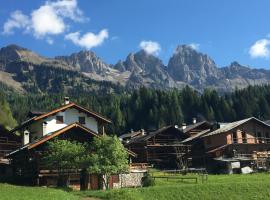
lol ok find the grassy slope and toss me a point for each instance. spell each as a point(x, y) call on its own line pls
point(10, 192)
point(220, 187)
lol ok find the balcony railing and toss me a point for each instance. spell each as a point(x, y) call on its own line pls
point(162, 141)
point(251, 140)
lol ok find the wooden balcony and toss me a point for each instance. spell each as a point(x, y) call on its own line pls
point(7, 146)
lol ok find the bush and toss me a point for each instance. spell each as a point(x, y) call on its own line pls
point(148, 181)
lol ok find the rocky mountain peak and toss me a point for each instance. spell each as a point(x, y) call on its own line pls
point(85, 61)
point(191, 66)
point(11, 52)
point(14, 52)
point(187, 66)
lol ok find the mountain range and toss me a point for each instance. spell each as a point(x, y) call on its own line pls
point(26, 71)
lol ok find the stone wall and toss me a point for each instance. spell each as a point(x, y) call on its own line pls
point(132, 179)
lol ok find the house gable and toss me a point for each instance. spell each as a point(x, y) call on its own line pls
point(47, 123)
point(247, 131)
point(69, 116)
point(74, 129)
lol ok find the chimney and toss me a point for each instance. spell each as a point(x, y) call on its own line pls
point(26, 137)
point(184, 126)
point(66, 100)
point(142, 132)
point(194, 120)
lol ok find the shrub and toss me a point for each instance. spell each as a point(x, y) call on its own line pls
point(148, 181)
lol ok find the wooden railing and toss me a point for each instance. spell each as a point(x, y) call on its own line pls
point(251, 140)
point(161, 141)
point(5, 140)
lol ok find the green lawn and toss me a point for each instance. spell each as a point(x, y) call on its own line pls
point(220, 187)
point(10, 192)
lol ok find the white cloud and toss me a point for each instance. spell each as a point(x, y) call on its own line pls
point(45, 21)
point(48, 19)
point(150, 47)
point(88, 40)
point(260, 49)
point(68, 9)
point(17, 20)
point(195, 46)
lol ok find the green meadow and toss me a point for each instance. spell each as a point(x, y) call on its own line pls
point(218, 187)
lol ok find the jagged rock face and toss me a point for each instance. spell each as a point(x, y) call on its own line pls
point(85, 61)
point(185, 67)
point(10, 53)
point(189, 66)
point(146, 70)
point(235, 70)
point(14, 53)
point(120, 66)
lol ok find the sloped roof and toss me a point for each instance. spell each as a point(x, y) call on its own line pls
point(52, 135)
point(73, 105)
point(59, 132)
point(131, 134)
point(149, 135)
point(267, 122)
point(152, 134)
point(196, 136)
point(232, 125)
point(70, 105)
point(192, 126)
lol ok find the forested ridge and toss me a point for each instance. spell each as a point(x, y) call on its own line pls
point(148, 108)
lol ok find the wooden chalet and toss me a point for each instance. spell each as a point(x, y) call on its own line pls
point(164, 148)
point(235, 145)
point(8, 143)
point(69, 122)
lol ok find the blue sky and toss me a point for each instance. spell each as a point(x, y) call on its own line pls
point(226, 30)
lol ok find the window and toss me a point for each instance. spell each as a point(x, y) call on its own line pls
point(59, 119)
point(82, 120)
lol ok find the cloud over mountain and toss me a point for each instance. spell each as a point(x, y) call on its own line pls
point(88, 40)
point(260, 49)
point(150, 47)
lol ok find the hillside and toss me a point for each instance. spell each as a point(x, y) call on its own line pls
point(26, 71)
point(6, 117)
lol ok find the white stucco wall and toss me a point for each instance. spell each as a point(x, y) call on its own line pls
point(49, 125)
point(70, 116)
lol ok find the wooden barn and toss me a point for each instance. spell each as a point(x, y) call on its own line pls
point(164, 148)
point(244, 143)
point(8, 143)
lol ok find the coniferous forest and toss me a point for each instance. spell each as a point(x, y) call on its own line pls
point(145, 108)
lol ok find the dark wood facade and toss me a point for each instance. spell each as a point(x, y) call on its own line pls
point(28, 165)
point(164, 148)
point(8, 143)
point(161, 148)
point(246, 141)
